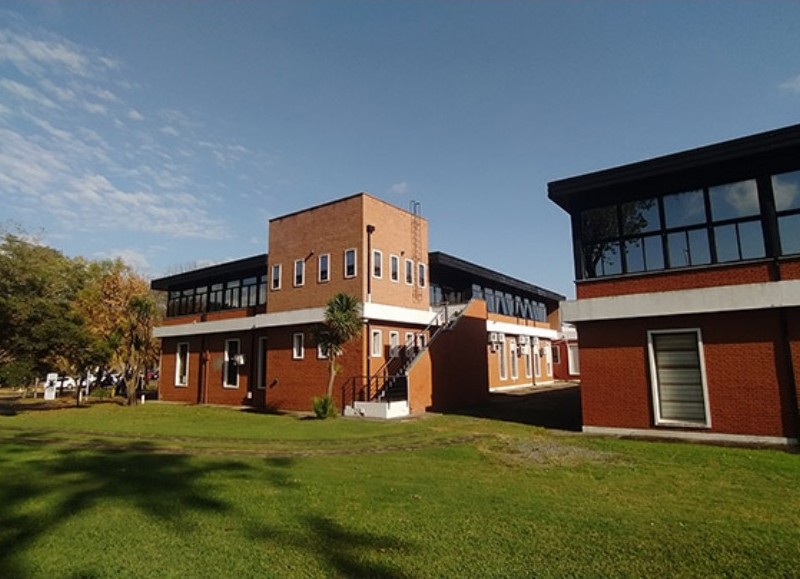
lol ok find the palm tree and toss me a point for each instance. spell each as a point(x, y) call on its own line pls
point(342, 324)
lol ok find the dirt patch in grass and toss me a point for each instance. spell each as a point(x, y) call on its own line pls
point(544, 452)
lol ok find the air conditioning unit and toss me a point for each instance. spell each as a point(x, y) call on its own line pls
point(522, 340)
point(501, 337)
point(238, 359)
point(493, 337)
point(495, 347)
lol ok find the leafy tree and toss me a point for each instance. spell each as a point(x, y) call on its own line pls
point(341, 324)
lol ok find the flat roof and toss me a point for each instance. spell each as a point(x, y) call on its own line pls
point(760, 147)
point(340, 200)
point(438, 258)
point(204, 274)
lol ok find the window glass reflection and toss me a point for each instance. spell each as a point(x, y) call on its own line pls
point(688, 248)
point(640, 217)
point(734, 200)
point(786, 189)
point(602, 259)
point(684, 209)
point(599, 223)
point(789, 230)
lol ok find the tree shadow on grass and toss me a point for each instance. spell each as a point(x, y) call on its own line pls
point(51, 487)
point(345, 552)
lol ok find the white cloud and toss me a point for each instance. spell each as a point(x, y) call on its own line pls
point(398, 189)
point(132, 257)
point(135, 115)
point(792, 85)
point(26, 93)
point(95, 108)
point(170, 131)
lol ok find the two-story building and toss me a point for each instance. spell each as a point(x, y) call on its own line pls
point(687, 274)
point(438, 333)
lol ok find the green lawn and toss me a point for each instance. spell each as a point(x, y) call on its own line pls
point(168, 490)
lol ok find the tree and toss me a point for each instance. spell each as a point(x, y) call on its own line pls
point(342, 324)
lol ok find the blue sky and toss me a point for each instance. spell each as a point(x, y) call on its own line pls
point(168, 133)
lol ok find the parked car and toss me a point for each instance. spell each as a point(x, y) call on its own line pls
point(66, 383)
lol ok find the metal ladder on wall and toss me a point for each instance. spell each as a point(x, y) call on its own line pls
point(416, 245)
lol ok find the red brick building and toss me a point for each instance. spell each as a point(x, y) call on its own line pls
point(688, 291)
point(439, 332)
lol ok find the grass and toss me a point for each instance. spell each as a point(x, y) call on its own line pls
point(180, 491)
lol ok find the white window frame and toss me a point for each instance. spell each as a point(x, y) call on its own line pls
point(355, 263)
point(394, 268)
point(528, 361)
point(410, 339)
point(321, 353)
point(659, 421)
point(327, 258)
point(302, 273)
point(185, 382)
point(394, 344)
point(226, 383)
point(502, 361)
point(298, 346)
point(422, 270)
point(261, 367)
point(548, 359)
point(376, 345)
point(409, 269)
point(512, 354)
point(377, 264)
point(537, 361)
point(272, 285)
point(574, 359)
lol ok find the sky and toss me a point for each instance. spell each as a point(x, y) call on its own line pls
point(168, 133)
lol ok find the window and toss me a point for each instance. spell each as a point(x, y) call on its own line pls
point(394, 344)
point(394, 268)
point(321, 353)
point(573, 359)
point(409, 339)
point(230, 370)
point(512, 350)
point(250, 291)
point(528, 362)
point(376, 344)
point(786, 190)
point(377, 264)
point(409, 272)
point(298, 348)
point(537, 361)
point(299, 273)
point(261, 379)
point(677, 377)
point(262, 290)
point(324, 268)
point(421, 274)
point(548, 359)
point(502, 360)
point(275, 284)
point(350, 269)
point(232, 294)
point(556, 356)
point(182, 364)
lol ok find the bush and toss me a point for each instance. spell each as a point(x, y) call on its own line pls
point(324, 407)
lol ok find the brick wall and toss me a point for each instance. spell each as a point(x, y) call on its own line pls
point(748, 383)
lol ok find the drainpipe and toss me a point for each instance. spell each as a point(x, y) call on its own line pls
point(370, 265)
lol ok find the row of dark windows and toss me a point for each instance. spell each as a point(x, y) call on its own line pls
point(497, 301)
point(719, 224)
point(226, 295)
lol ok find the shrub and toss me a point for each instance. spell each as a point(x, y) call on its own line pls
point(324, 407)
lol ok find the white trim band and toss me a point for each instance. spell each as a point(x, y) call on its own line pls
point(689, 436)
point(730, 298)
point(520, 330)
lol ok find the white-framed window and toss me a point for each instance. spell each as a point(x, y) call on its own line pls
point(409, 272)
point(321, 355)
point(528, 361)
point(537, 361)
point(394, 268)
point(573, 358)
point(421, 274)
point(512, 351)
point(502, 360)
point(377, 264)
point(376, 344)
point(275, 280)
point(324, 267)
point(394, 344)
point(678, 377)
point(299, 273)
point(409, 339)
point(556, 355)
point(548, 359)
point(298, 346)
point(261, 379)
point(350, 264)
point(182, 364)
point(230, 369)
